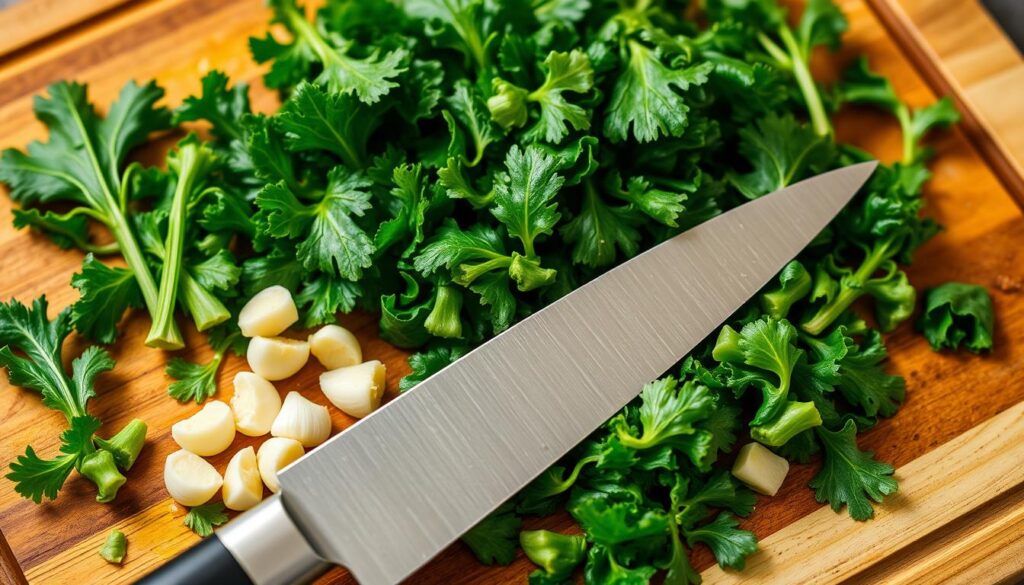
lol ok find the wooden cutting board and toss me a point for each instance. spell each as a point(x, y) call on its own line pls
point(177, 41)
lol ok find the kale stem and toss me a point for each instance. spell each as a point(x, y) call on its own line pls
point(850, 290)
point(819, 119)
point(205, 308)
point(909, 148)
point(775, 51)
point(164, 332)
point(133, 256)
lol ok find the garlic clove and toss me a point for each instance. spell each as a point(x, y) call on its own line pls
point(190, 480)
point(255, 403)
point(356, 390)
point(335, 347)
point(307, 422)
point(760, 469)
point(243, 487)
point(274, 455)
point(277, 358)
point(268, 313)
point(207, 432)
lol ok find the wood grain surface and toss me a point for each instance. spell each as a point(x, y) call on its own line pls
point(177, 41)
point(960, 51)
point(29, 21)
point(959, 508)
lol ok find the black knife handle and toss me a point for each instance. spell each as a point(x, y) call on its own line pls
point(207, 563)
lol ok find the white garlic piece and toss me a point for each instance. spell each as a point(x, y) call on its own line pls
point(243, 487)
point(335, 347)
point(303, 420)
point(190, 480)
point(274, 455)
point(255, 403)
point(760, 469)
point(356, 390)
point(277, 358)
point(268, 313)
point(207, 432)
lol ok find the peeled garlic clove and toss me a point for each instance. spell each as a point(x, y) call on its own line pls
point(277, 358)
point(190, 480)
point(274, 455)
point(206, 432)
point(255, 404)
point(243, 487)
point(356, 390)
point(307, 422)
point(760, 469)
point(268, 313)
point(335, 347)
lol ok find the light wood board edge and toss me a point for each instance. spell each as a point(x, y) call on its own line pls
point(935, 72)
point(10, 570)
point(958, 518)
point(29, 21)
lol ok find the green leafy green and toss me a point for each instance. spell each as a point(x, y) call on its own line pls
point(850, 476)
point(39, 368)
point(369, 76)
point(494, 539)
point(203, 519)
point(956, 313)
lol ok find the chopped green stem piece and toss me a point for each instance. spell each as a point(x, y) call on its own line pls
point(126, 444)
point(794, 419)
point(101, 469)
point(444, 319)
point(114, 547)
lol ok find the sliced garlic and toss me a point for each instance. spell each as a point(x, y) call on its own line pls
point(268, 313)
point(274, 455)
point(760, 469)
point(276, 358)
point(307, 422)
point(335, 347)
point(206, 432)
point(243, 487)
point(255, 403)
point(190, 480)
point(356, 390)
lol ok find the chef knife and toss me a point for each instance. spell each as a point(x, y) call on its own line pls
point(389, 493)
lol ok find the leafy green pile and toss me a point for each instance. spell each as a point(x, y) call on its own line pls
point(455, 165)
point(38, 367)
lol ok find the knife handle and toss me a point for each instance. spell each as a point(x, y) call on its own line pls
point(207, 563)
point(261, 547)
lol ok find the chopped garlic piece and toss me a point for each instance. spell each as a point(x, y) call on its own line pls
point(356, 390)
point(243, 487)
point(207, 432)
point(268, 313)
point(760, 469)
point(255, 403)
point(274, 455)
point(335, 347)
point(190, 480)
point(303, 420)
point(277, 358)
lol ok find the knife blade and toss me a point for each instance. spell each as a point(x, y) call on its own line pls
point(389, 493)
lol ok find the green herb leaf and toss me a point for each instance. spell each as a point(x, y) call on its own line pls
point(203, 519)
point(956, 313)
point(850, 476)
